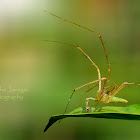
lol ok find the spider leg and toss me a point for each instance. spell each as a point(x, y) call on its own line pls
point(110, 92)
point(85, 94)
point(79, 88)
point(98, 70)
point(119, 88)
point(87, 100)
point(99, 36)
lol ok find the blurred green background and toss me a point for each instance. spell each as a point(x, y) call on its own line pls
point(51, 71)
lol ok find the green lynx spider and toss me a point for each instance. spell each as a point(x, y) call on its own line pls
point(104, 94)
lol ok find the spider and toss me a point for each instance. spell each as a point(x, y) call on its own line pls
point(104, 94)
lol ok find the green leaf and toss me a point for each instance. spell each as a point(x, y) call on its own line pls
point(131, 112)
